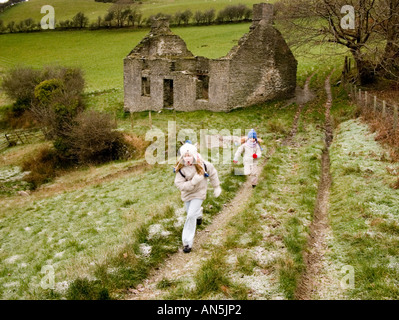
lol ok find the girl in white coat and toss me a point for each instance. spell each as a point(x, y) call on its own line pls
point(252, 153)
point(191, 173)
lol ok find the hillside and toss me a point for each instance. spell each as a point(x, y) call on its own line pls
point(66, 9)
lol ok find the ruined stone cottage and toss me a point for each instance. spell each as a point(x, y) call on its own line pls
point(160, 72)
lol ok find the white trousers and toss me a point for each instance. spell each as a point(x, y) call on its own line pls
point(251, 169)
point(194, 211)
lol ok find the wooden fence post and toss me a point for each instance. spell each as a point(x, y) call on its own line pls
point(359, 97)
point(375, 104)
point(19, 138)
point(366, 100)
point(395, 117)
point(384, 105)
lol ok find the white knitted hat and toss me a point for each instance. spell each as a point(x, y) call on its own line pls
point(189, 148)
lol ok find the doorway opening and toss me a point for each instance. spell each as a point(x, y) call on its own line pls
point(168, 93)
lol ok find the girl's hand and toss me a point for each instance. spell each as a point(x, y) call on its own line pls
point(196, 179)
point(235, 161)
point(217, 192)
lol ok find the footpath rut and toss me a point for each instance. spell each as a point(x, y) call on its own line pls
point(184, 266)
point(314, 279)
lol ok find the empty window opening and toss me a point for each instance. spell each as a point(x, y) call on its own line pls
point(145, 86)
point(202, 87)
point(168, 93)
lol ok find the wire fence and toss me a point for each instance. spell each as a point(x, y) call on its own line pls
point(372, 106)
point(20, 136)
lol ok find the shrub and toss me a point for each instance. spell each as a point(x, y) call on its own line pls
point(80, 20)
point(42, 166)
point(46, 90)
point(92, 139)
point(19, 84)
point(58, 99)
point(137, 144)
point(43, 92)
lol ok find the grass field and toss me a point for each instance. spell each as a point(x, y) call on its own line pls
point(364, 213)
point(67, 9)
point(63, 10)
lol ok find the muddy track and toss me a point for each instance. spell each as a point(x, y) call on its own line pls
point(184, 266)
point(312, 279)
point(305, 96)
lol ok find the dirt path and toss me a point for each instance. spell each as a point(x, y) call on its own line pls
point(314, 279)
point(302, 96)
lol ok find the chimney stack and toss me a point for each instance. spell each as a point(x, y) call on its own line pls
point(262, 11)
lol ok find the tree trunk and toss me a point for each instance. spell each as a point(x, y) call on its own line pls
point(365, 70)
point(390, 60)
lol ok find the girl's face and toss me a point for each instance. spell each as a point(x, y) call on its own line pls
point(188, 159)
point(252, 140)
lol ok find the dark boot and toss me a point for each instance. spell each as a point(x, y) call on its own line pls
point(199, 220)
point(186, 249)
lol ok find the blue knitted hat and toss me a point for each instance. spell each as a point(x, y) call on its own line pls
point(252, 134)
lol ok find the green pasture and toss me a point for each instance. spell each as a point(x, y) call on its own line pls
point(67, 9)
point(63, 10)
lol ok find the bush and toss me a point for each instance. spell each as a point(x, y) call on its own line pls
point(55, 96)
point(80, 20)
point(47, 89)
point(92, 139)
point(41, 91)
point(234, 13)
point(42, 166)
point(58, 99)
point(19, 84)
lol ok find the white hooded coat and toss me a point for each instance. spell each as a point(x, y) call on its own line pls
point(189, 191)
point(184, 177)
point(248, 160)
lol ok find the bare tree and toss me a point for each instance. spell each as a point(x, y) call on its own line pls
point(80, 20)
point(331, 21)
point(119, 12)
point(209, 16)
point(199, 17)
point(390, 28)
